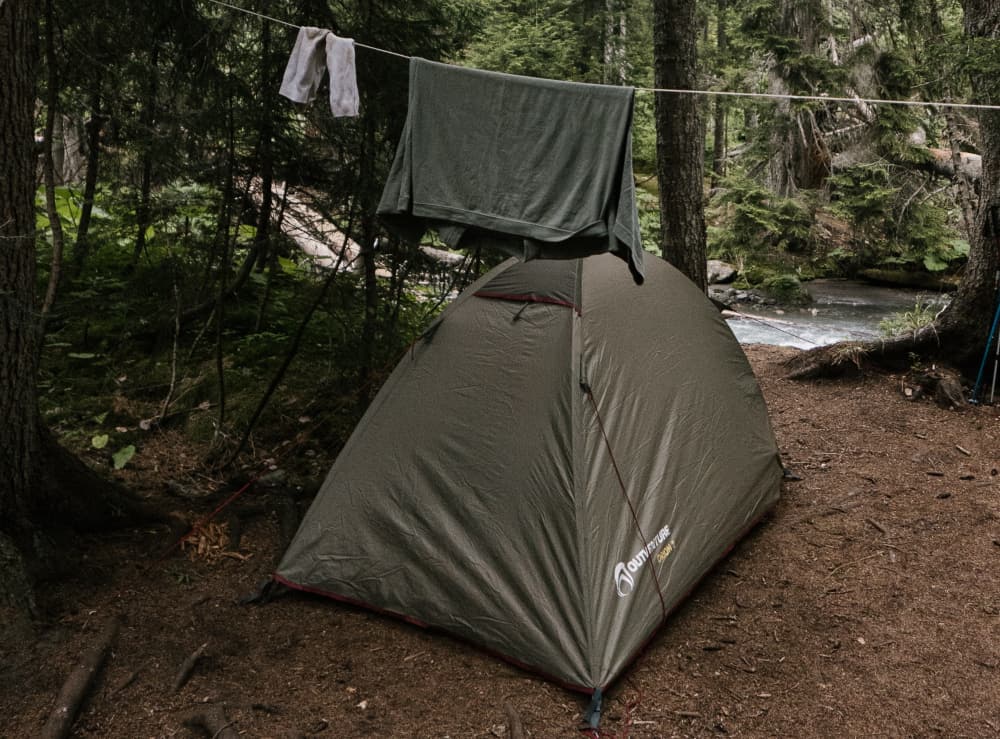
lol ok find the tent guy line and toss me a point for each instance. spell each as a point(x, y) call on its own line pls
point(708, 93)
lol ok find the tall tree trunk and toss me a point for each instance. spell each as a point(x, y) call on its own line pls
point(224, 223)
point(964, 188)
point(367, 199)
point(49, 171)
point(615, 31)
point(19, 438)
point(370, 323)
point(147, 120)
point(64, 489)
point(680, 138)
point(719, 118)
point(800, 158)
point(970, 312)
point(81, 248)
point(262, 238)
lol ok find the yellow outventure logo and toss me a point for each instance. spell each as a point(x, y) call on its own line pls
point(625, 572)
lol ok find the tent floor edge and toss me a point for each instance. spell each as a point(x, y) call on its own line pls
point(264, 594)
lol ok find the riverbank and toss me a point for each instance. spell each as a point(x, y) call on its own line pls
point(868, 603)
point(841, 310)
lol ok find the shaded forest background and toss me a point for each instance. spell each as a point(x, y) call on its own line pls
point(178, 180)
point(208, 259)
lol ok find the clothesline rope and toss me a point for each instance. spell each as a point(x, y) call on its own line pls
point(254, 12)
point(292, 25)
point(674, 91)
point(824, 98)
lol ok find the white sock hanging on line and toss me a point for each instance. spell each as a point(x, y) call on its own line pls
point(314, 50)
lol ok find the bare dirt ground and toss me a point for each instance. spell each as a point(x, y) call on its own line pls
point(867, 604)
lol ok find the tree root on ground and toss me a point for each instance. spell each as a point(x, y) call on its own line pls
point(187, 667)
point(514, 727)
point(212, 719)
point(850, 357)
point(77, 685)
point(76, 496)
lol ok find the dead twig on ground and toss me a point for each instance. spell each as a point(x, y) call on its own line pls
point(848, 564)
point(876, 525)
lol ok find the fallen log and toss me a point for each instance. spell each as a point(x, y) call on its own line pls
point(78, 684)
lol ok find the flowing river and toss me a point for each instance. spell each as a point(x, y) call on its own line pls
point(842, 310)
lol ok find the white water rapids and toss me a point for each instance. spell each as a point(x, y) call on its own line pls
point(842, 310)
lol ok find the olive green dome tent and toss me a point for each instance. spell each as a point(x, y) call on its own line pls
point(555, 464)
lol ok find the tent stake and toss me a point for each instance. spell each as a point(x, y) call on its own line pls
point(593, 714)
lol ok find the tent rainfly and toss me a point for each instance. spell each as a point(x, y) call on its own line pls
point(550, 470)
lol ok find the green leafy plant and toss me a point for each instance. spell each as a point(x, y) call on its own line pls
point(863, 196)
point(747, 218)
point(940, 254)
point(921, 315)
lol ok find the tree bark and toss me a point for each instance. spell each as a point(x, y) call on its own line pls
point(19, 429)
point(680, 139)
point(19, 439)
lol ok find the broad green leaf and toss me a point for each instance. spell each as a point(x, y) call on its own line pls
point(122, 456)
point(933, 264)
point(959, 247)
point(100, 441)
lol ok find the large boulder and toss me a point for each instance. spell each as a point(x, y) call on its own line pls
point(720, 273)
point(786, 290)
